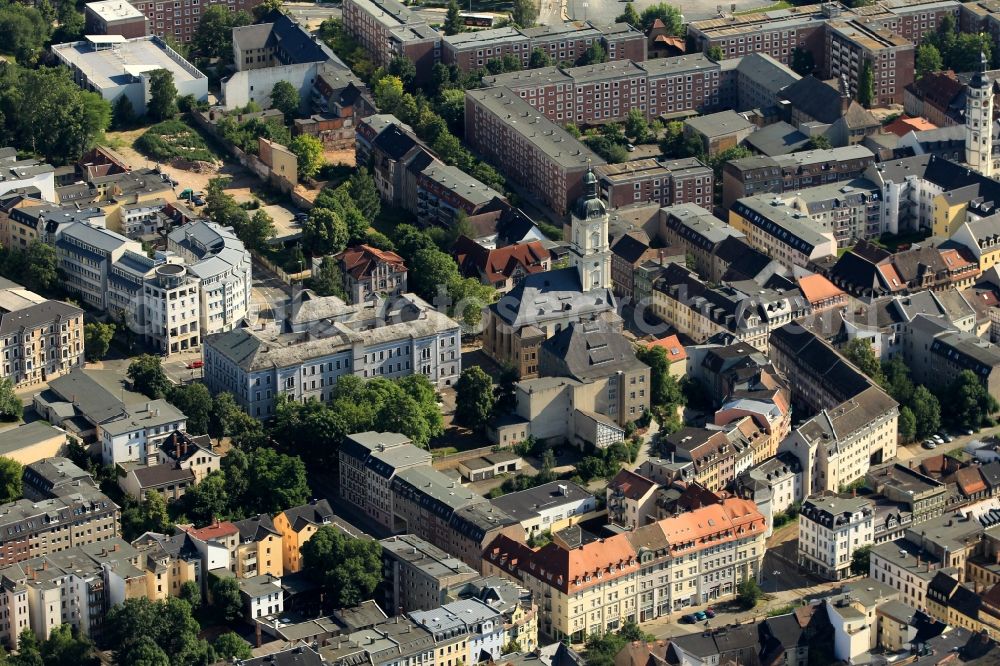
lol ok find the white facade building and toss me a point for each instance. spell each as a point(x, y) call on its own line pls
point(136, 435)
point(390, 339)
point(830, 530)
point(979, 121)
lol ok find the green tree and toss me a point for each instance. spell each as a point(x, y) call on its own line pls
point(403, 68)
point(866, 84)
point(630, 16)
point(123, 113)
point(275, 481)
point(195, 402)
point(928, 60)
point(432, 270)
point(474, 398)
point(29, 650)
point(715, 53)
point(309, 153)
point(11, 487)
point(669, 14)
point(41, 267)
point(144, 632)
point(636, 125)
point(861, 560)
point(896, 380)
point(226, 599)
point(285, 98)
point(860, 352)
point(97, 340)
point(349, 569)
point(748, 593)
point(66, 647)
point(208, 500)
point(907, 424)
point(258, 230)
point(818, 142)
point(57, 119)
point(665, 391)
point(364, 194)
point(594, 54)
point(229, 420)
point(231, 646)
point(147, 377)
point(803, 62)
point(524, 13)
point(149, 515)
point(11, 407)
point(969, 47)
point(162, 95)
point(214, 36)
point(265, 8)
point(926, 410)
point(453, 21)
point(23, 31)
point(540, 58)
point(191, 592)
point(324, 232)
point(71, 24)
point(969, 403)
point(328, 280)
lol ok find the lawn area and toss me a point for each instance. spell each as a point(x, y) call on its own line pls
point(390, 217)
point(174, 138)
point(781, 4)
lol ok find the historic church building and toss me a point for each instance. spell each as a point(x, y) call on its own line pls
point(543, 304)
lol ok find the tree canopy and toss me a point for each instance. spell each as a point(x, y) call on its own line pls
point(285, 98)
point(11, 485)
point(349, 569)
point(43, 111)
point(97, 339)
point(156, 632)
point(475, 398)
point(214, 36)
point(162, 95)
point(147, 377)
point(11, 407)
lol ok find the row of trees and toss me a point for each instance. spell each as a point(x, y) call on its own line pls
point(315, 430)
point(970, 405)
point(945, 48)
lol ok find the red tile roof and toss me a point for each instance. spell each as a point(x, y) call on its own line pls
point(970, 481)
point(495, 265)
point(902, 126)
point(216, 530)
point(817, 288)
point(361, 260)
point(672, 344)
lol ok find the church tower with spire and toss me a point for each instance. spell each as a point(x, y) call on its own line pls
point(979, 121)
point(589, 250)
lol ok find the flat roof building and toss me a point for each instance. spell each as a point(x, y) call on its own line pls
point(113, 66)
point(115, 17)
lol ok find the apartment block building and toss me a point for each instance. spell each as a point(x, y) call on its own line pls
point(418, 574)
point(387, 29)
point(39, 339)
point(605, 92)
point(666, 182)
point(795, 171)
point(696, 231)
point(780, 232)
point(851, 46)
point(776, 34)
point(830, 530)
point(506, 130)
point(595, 586)
point(368, 463)
point(438, 509)
point(700, 310)
point(30, 529)
point(446, 193)
point(471, 50)
point(180, 20)
point(297, 525)
point(393, 338)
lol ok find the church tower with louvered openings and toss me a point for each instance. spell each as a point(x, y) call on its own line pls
point(979, 121)
point(589, 250)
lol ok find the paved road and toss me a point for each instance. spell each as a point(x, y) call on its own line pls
point(270, 294)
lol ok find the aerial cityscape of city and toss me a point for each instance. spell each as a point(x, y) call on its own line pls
point(505, 332)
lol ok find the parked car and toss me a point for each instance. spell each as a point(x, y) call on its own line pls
point(946, 437)
point(629, 147)
point(301, 217)
point(710, 612)
point(690, 618)
point(197, 200)
point(929, 444)
point(970, 432)
point(937, 438)
point(701, 615)
point(195, 364)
